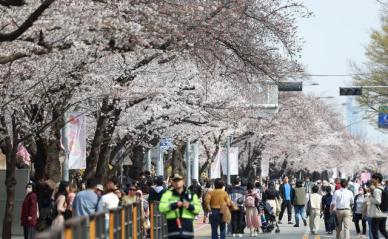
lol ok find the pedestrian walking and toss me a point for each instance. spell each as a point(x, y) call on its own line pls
point(342, 203)
point(29, 212)
point(70, 197)
point(61, 205)
point(252, 218)
point(85, 202)
point(377, 200)
point(328, 216)
point(359, 201)
point(205, 192)
point(286, 194)
point(214, 201)
point(366, 212)
point(272, 197)
point(108, 201)
point(180, 207)
point(237, 194)
point(315, 210)
point(299, 202)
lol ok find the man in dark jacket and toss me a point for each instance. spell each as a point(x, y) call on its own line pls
point(237, 194)
point(157, 191)
point(286, 194)
point(29, 212)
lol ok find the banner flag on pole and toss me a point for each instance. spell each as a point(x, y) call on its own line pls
point(215, 168)
point(233, 160)
point(74, 140)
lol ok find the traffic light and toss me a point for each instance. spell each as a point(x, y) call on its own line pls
point(345, 91)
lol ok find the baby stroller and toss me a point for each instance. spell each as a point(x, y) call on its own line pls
point(268, 218)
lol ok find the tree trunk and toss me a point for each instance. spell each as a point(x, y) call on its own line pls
point(178, 164)
point(40, 158)
point(10, 180)
point(137, 161)
point(10, 183)
point(105, 150)
point(91, 160)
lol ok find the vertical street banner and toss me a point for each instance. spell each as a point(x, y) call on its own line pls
point(264, 166)
point(215, 168)
point(233, 160)
point(74, 140)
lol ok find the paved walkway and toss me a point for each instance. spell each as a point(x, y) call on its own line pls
point(287, 231)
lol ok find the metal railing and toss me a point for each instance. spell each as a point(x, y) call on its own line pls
point(124, 222)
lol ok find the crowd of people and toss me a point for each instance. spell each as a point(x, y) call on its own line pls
point(257, 207)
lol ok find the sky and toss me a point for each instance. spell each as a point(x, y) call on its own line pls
point(335, 36)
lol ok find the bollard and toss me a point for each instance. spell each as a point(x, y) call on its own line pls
point(134, 221)
point(92, 226)
point(152, 221)
point(111, 224)
point(68, 233)
point(122, 223)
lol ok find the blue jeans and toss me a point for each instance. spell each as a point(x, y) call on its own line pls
point(299, 211)
point(216, 221)
point(369, 222)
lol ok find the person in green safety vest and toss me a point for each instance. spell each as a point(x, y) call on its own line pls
point(180, 206)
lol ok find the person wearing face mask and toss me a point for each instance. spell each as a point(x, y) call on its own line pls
point(359, 200)
point(29, 212)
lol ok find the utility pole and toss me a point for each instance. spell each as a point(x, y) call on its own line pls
point(228, 161)
point(188, 163)
point(65, 167)
point(160, 165)
point(149, 160)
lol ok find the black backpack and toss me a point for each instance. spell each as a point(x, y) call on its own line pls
point(384, 200)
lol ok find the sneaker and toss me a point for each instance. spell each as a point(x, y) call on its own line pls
point(289, 222)
point(280, 222)
point(240, 235)
point(313, 232)
point(296, 225)
point(305, 223)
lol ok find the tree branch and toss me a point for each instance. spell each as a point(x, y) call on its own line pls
point(27, 23)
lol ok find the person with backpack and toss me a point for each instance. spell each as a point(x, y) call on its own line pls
point(252, 199)
point(378, 207)
point(359, 200)
point(237, 196)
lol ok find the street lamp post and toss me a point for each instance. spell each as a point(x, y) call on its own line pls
point(228, 161)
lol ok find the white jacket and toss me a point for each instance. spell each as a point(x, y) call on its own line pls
point(375, 200)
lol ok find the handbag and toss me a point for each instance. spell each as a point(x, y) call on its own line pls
point(233, 207)
point(226, 215)
point(308, 209)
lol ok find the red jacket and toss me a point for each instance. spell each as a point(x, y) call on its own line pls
point(29, 209)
